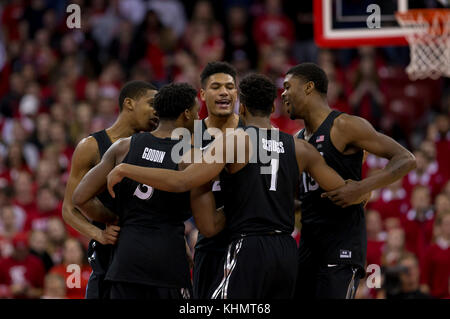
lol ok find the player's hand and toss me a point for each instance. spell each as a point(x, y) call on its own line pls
point(109, 235)
point(114, 177)
point(347, 195)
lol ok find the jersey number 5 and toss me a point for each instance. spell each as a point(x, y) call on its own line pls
point(143, 191)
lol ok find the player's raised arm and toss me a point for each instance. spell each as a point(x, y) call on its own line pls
point(213, 162)
point(360, 133)
point(94, 182)
point(310, 160)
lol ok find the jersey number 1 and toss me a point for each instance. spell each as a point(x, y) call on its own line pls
point(274, 164)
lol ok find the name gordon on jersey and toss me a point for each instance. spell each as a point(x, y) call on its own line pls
point(153, 155)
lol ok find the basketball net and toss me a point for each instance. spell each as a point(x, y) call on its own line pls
point(429, 41)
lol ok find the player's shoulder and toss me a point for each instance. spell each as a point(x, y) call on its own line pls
point(87, 146)
point(124, 142)
point(347, 123)
point(302, 146)
point(86, 153)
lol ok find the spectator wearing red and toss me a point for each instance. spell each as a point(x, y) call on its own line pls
point(11, 16)
point(204, 35)
point(73, 255)
point(394, 247)
point(8, 229)
point(21, 274)
point(435, 169)
point(336, 96)
point(24, 193)
point(9, 103)
point(41, 134)
point(54, 287)
point(15, 133)
point(81, 127)
point(418, 222)
point(436, 265)
point(38, 247)
point(446, 189)
point(442, 142)
point(48, 206)
point(392, 202)
point(47, 175)
point(441, 203)
point(238, 39)
point(420, 176)
point(57, 235)
point(106, 114)
point(367, 97)
point(15, 163)
point(59, 140)
point(375, 237)
point(272, 26)
point(9, 225)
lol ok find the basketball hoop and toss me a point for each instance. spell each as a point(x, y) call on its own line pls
point(429, 41)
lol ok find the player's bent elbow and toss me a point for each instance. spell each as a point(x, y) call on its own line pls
point(65, 212)
point(412, 164)
point(77, 201)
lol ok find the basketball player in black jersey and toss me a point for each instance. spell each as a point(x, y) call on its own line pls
point(136, 114)
point(219, 92)
point(333, 239)
point(261, 260)
point(149, 260)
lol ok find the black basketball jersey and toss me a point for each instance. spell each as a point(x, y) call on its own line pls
point(151, 248)
point(104, 143)
point(220, 241)
point(338, 234)
point(260, 197)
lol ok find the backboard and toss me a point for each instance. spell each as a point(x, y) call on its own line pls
point(353, 23)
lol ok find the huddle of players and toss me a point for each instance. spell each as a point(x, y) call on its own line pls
point(247, 216)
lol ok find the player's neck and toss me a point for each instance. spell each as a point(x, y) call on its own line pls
point(315, 115)
point(165, 128)
point(120, 129)
point(222, 122)
point(258, 121)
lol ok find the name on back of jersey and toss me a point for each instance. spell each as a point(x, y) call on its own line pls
point(272, 146)
point(153, 155)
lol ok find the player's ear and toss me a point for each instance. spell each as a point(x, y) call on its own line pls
point(241, 110)
point(273, 108)
point(187, 114)
point(202, 95)
point(128, 104)
point(309, 87)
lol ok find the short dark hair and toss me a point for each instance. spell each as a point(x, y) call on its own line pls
point(311, 72)
point(134, 90)
point(217, 67)
point(173, 99)
point(257, 92)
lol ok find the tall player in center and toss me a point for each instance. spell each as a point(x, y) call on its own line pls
point(219, 92)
